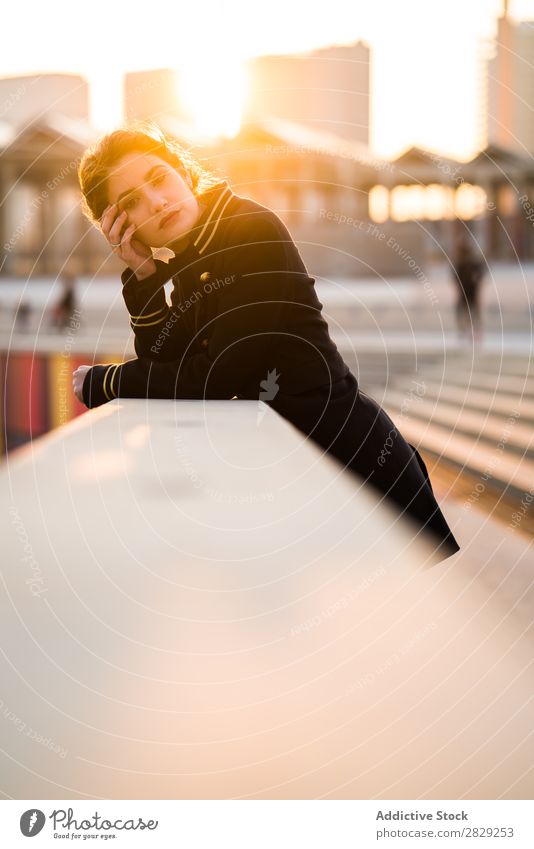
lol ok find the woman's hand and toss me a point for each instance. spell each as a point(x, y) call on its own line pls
point(78, 378)
point(133, 252)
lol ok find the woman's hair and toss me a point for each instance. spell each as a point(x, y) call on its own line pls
point(144, 137)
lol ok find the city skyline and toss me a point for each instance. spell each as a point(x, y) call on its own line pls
point(426, 83)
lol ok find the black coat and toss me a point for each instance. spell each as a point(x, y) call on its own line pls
point(245, 322)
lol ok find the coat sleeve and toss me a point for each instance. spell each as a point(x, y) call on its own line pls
point(253, 303)
point(150, 315)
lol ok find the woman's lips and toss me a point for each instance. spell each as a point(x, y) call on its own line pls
point(169, 219)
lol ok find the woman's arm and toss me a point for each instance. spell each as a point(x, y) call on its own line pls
point(151, 318)
point(252, 307)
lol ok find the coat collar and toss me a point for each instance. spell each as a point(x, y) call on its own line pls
point(216, 200)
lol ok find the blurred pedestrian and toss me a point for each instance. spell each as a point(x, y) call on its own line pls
point(66, 305)
point(22, 316)
point(468, 271)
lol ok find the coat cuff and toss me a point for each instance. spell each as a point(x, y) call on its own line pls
point(99, 385)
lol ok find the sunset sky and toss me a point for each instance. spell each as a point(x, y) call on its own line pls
point(426, 54)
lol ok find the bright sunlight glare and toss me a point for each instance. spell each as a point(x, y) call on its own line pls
point(213, 97)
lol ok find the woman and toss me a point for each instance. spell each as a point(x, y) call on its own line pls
point(244, 314)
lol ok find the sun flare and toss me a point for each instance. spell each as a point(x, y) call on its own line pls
point(214, 96)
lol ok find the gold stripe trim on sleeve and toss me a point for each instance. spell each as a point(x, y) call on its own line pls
point(111, 389)
point(135, 324)
point(150, 314)
point(105, 380)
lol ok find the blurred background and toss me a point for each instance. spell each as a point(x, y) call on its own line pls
point(395, 140)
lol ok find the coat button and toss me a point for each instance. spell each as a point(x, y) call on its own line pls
point(204, 343)
point(205, 276)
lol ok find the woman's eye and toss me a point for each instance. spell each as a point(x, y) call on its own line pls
point(131, 202)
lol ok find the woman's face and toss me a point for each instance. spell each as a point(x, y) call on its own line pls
point(148, 189)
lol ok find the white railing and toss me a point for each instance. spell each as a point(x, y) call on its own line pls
point(198, 603)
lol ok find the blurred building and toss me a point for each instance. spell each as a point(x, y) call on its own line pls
point(316, 182)
point(42, 229)
point(25, 99)
point(349, 213)
point(44, 129)
point(354, 215)
point(347, 210)
point(326, 90)
point(510, 119)
point(437, 195)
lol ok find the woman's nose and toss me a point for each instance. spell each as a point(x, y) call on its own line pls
point(157, 209)
point(157, 200)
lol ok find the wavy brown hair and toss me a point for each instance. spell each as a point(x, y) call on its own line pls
point(145, 137)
